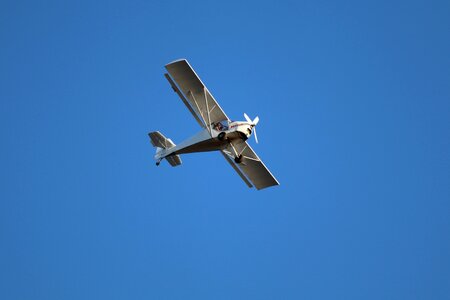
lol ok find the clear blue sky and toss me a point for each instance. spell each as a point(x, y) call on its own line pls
point(354, 102)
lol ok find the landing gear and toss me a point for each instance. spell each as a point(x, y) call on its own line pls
point(243, 136)
point(221, 136)
point(157, 163)
point(238, 159)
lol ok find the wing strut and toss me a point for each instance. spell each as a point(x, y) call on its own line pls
point(235, 153)
point(198, 108)
point(185, 101)
point(207, 111)
point(230, 161)
point(188, 82)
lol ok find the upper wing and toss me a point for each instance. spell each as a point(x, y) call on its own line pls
point(194, 93)
point(251, 166)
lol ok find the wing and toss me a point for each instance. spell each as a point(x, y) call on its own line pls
point(251, 168)
point(194, 93)
point(236, 168)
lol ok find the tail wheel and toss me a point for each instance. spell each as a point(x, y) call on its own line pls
point(221, 136)
point(238, 159)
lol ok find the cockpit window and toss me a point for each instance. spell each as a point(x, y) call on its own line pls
point(220, 126)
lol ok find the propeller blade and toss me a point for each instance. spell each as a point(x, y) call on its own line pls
point(253, 124)
point(247, 118)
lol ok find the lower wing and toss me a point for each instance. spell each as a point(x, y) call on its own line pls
point(250, 168)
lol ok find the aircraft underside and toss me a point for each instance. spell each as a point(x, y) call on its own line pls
point(212, 144)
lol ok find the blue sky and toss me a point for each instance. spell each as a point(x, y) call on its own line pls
point(354, 104)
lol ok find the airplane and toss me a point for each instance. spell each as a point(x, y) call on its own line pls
point(218, 132)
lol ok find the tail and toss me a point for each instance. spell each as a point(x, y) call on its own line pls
point(162, 145)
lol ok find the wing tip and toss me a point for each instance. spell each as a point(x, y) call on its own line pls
point(177, 61)
point(267, 186)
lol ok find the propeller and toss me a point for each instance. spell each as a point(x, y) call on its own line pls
point(254, 133)
point(253, 124)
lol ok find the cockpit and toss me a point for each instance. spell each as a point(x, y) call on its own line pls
point(220, 126)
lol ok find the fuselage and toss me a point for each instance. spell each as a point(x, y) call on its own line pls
point(222, 133)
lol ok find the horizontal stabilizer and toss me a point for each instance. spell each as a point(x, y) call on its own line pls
point(160, 141)
point(174, 160)
point(163, 146)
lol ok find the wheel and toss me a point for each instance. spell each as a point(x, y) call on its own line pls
point(243, 136)
point(238, 159)
point(221, 136)
point(157, 163)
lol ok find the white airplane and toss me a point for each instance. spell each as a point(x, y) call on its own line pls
point(219, 132)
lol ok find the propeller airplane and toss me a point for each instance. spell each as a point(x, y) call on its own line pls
point(219, 133)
